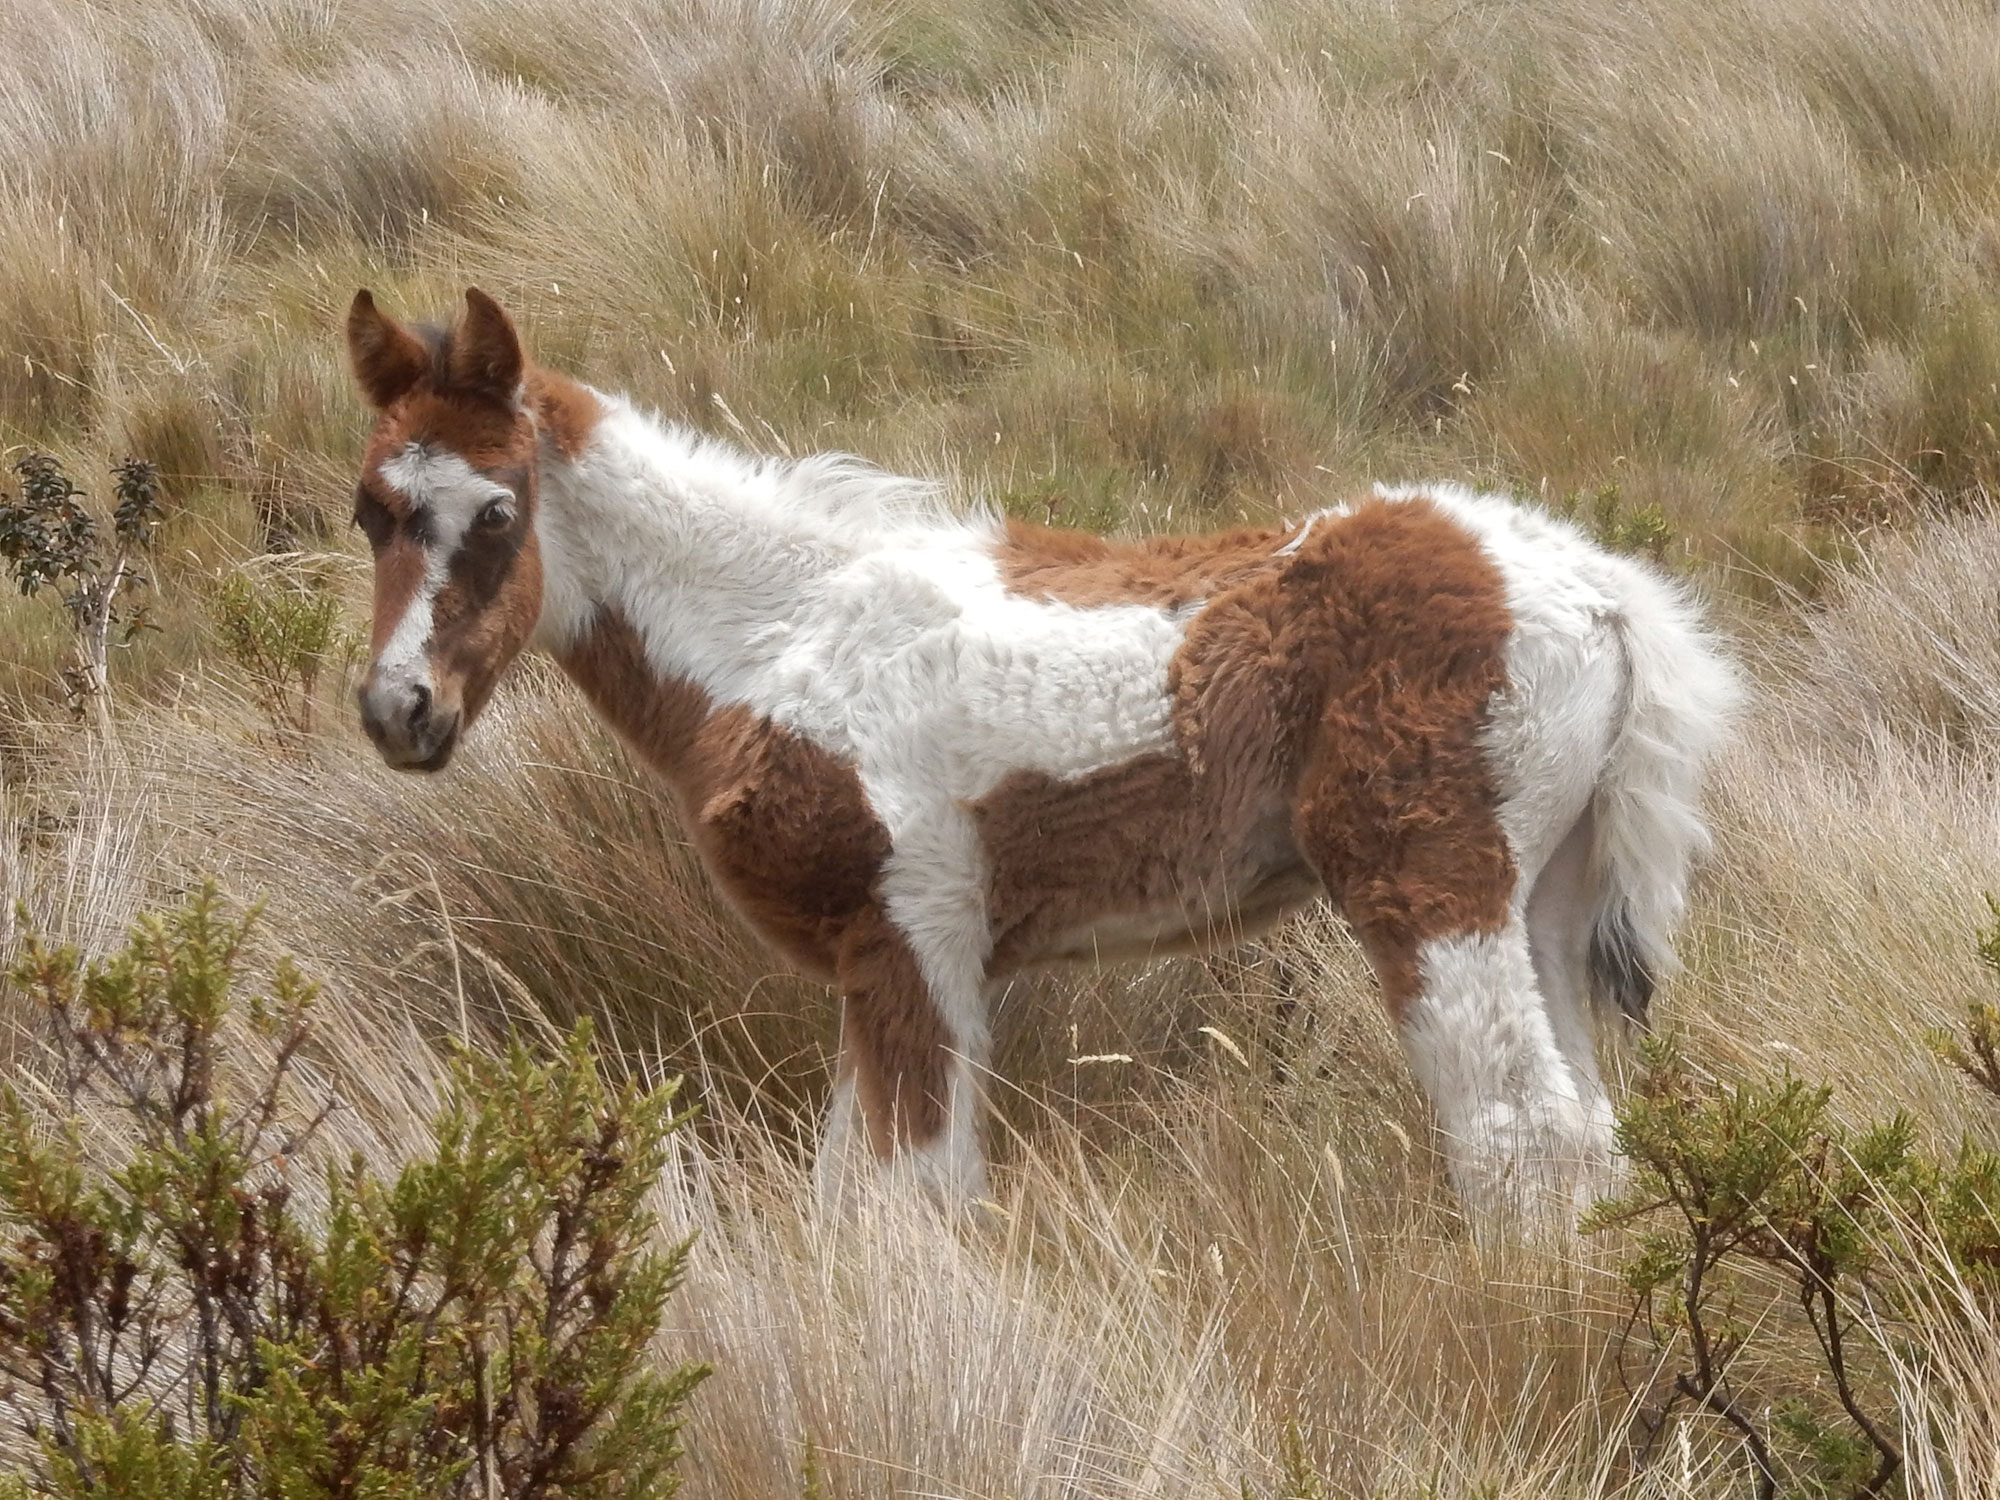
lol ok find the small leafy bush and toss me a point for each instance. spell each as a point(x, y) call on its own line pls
point(199, 1319)
point(1604, 515)
point(1977, 1053)
point(281, 626)
point(1738, 1189)
point(50, 540)
point(1748, 1197)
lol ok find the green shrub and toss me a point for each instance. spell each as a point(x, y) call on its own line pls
point(1604, 515)
point(1738, 1189)
point(1746, 1197)
point(1977, 1053)
point(282, 627)
point(50, 540)
point(197, 1319)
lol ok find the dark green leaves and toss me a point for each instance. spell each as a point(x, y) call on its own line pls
point(176, 1324)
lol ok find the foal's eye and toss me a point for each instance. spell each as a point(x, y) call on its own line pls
point(373, 517)
point(495, 515)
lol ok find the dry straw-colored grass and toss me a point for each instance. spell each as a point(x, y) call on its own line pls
point(1138, 263)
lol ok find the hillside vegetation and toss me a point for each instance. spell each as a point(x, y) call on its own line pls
point(1718, 274)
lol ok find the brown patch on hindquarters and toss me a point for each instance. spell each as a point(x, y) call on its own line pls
point(788, 834)
point(1329, 706)
point(1078, 568)
point(1396, 804)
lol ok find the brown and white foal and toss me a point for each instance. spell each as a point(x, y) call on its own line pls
point(922, 751)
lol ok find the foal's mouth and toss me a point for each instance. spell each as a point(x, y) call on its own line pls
point(438, 758)
point(418, 758)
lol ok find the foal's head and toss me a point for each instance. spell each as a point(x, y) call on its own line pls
point(447, 497)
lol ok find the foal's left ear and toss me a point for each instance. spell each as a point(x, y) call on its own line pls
point(485, 354)
point(387, 358)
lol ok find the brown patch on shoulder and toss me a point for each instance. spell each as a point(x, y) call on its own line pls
point(787, 828)
point(788, 834)
point(1329, 706)
point(657, 716)
point(1075, 567)
point(566, 411)
point(784, 825)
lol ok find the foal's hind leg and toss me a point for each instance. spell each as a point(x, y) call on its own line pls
point(1430, 893)
point(1519, 1129)
point(906, 1095)
point(1561, 908)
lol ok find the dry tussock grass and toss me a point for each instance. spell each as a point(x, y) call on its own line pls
point(1146, 264)
point(1197, 1257)
point(1158, 260)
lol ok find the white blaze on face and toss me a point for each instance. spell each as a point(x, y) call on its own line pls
point(450, 493)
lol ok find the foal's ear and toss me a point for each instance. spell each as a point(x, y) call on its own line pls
point(485, 354)
point(388, 359)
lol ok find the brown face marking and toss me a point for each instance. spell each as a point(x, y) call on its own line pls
point(400, 568)
point(470, 393)
point(788, 834)
point(492, 594)
point(1329, 706)
point(487, 434)
point(483, 616)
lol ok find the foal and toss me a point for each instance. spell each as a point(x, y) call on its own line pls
point(920, 752)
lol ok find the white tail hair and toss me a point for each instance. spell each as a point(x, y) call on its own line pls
point(1682, 693)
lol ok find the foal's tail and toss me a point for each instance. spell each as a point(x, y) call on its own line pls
point(1681, 693)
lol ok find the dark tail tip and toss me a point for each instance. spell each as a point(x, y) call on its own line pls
point(1618, 971)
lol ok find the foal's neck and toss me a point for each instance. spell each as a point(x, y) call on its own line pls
point(710, 555)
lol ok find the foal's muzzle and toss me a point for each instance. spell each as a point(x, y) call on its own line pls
point(407, 726)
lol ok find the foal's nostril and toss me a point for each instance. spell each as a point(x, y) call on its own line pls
point(420, 706)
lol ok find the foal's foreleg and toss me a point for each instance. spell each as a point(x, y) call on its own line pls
point(906, 1096)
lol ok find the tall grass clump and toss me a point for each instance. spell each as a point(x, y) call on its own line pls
point(1208, 262)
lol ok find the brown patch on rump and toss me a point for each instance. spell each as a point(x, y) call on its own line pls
point(1076, 567)
point(787, 831)
point(1329, 706)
